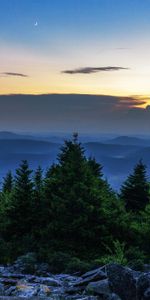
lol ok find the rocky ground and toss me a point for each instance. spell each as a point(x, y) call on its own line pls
point(111, 282)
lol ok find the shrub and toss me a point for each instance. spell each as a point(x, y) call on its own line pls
point(117, 254)
point(26, 263)
point(76, 265)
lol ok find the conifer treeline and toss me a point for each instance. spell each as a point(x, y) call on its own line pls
point(72, 210)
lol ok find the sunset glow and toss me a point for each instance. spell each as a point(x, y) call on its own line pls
point(56, 44)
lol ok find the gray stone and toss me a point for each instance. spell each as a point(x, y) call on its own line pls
point(1, 289)
point(122, 281)
point(147, 294)
point(99, 275)
point(142, 285)
point(73, 290)
point(114, 297)
point(9, 291)
point(94, 272)
point(44, 291)
point(27, 291)
point(47, 281)
point(100, 287)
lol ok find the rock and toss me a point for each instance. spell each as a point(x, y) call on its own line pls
point(146, 268)
point(2, 269)
point(27, 291)
point(95, 276)
point(85, 298)
point(9, 291)
point(8, 281)
point(146, 294)
point(44, 291)
point(100, 287)
point(114, 297)
point(1, 289)
point(93, 272)
point(122, 281)
point(47, 281)
point(143, 285)
point(73, 290)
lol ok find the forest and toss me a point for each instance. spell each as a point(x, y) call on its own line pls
point(70, 217)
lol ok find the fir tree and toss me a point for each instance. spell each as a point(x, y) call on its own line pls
point(20, 215)
point(8, 183)
point(75, 192)
point(135, 190)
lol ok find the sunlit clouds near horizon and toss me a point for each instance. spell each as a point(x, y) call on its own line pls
point(71, 46)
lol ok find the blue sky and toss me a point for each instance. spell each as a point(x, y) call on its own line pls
point(96, 47)
point(106, 19)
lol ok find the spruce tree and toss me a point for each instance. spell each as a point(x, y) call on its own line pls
point(37, 205)
point(20, 214)
point(8, 183)
point(75, 193)
point(95, 167)
point(135, 190)
point(38, 180)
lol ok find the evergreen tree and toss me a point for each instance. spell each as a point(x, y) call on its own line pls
point(135, 190)
point(8, 183)
point(74, 193)
point(38, 181)
point(37, 206)
point(20, 214)
point(95, 167)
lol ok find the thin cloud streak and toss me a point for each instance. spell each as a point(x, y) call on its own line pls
point(10, 74)
point(90, 70)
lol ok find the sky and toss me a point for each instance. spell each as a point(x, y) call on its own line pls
point(92, 47)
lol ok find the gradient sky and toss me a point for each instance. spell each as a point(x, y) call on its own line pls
point(41, 40)
point(89, 47)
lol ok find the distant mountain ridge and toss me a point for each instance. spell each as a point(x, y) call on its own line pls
point(117, 156)
point(127, 140)
point(8, 135)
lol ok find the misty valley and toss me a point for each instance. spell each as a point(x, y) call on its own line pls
point(118, 155)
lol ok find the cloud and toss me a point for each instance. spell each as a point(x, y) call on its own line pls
point(89, 70)
point(7, 74)
point(74, 112)
point(122, 48)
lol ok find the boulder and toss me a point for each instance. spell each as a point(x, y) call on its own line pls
point(146, 294)
point(44, 291)
point(2, 289)
point(99, 287)
point(114, 297)
point(73, 290)
point(10, 290)
point(47, 281)
point(94, 276)
point(122, 281)
point(25, 290)
point(143, 286)
point(93, 272)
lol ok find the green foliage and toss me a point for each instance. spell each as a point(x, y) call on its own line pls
point(58, 261)
point(136, 258)
point(8, 183)
point(27, 263)
point(65, 262)
point(115, 254)
point(71, 218)
point(135, 190)
point(19, 215)
point(77, 265)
